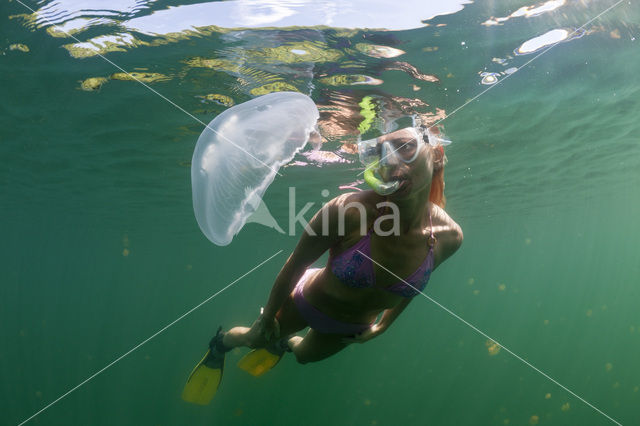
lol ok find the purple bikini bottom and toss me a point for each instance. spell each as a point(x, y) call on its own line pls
point(316, 319)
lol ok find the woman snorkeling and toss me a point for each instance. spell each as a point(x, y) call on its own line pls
point(383, 246)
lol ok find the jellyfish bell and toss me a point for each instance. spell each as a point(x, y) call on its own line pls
point(238, 155)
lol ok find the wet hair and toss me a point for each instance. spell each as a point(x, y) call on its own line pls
point(436, 195)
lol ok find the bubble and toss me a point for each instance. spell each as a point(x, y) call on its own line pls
point(489, 78)
point(238, 155)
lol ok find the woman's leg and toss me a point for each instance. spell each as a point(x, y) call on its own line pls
point(316, 346)
point(288, 318)
point(294, 315)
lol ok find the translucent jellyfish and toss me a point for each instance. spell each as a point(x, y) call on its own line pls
point(238, 156)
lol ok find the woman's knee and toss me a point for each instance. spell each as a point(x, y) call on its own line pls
point(301, 360)
point(297, 350)
point(314, 348)
point(306, 357)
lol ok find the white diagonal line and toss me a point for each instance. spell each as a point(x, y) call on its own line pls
point(509, 75)
point(501, 345)
point(159, 94)
point(146, 340)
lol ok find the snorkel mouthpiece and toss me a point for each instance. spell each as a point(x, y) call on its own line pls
point(370, 153)
point(378, 185)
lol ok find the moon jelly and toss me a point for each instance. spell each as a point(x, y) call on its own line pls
point(238, 155)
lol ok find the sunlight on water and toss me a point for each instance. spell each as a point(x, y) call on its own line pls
point(102, 249)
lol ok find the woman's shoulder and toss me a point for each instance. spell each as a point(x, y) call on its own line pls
point(447, 231)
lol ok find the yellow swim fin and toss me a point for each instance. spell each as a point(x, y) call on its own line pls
point(259, 361)
point(204, 380)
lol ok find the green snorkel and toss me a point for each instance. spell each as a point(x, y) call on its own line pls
point(368, 152)
point(378, 185)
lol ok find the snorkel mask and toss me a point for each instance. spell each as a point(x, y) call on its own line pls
point(381, 152)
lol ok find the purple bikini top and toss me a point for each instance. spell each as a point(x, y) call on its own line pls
point(356, 270)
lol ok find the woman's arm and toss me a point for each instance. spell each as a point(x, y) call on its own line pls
point(449, 236)
point(313, 243)
point(388, 317)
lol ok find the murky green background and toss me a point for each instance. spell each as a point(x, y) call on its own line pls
point(100, 248)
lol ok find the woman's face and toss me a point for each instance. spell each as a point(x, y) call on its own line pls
point(413, 176)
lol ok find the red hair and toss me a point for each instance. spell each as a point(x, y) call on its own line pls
point(436, 195)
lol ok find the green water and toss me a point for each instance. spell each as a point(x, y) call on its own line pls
point(101, 248)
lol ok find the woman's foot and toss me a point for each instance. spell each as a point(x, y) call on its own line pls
point(218, 349)
point(279, 347)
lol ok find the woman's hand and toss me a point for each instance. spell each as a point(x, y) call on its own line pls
point(263, 330)
point(374, 331)
point(271, 328)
